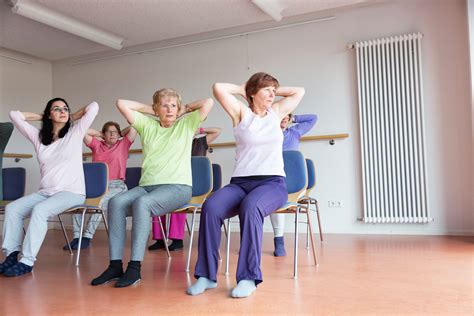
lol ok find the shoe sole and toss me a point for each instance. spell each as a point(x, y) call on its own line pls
point(134, 283)
point(106, 282)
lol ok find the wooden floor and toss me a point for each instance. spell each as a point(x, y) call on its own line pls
point(357, 275)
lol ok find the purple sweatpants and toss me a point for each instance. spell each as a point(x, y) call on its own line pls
point(252, 198)
point(177, 222)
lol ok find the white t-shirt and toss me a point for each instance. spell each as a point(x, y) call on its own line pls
point(61, 161)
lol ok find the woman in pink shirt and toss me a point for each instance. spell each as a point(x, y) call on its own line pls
point(58, 147)
point(110, 146)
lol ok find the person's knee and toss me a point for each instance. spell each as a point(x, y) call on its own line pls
point(210, 209)
point(115, 202)
point(39, 214)
point(145, 204)
point(11, 212)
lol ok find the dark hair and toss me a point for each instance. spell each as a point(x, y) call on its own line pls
point(111, 123)
point(258, 81)
point(46, 132)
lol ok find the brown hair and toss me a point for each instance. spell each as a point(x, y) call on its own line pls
point(111, 123)
point(258, 81)
point(166, 92)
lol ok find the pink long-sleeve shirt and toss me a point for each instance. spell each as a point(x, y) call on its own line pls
point(61, 161)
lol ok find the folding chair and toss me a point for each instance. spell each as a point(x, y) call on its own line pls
point(14, 180)
point(216, 185)
point(132, 177)
point(96, 175)
point(308, 200)
point(296, 183)
point(202, 186)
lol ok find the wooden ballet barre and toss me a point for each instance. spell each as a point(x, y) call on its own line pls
point(331, 139)
point(17, 157)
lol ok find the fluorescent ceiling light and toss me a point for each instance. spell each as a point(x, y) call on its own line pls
point(271, 7)
point(60, 21)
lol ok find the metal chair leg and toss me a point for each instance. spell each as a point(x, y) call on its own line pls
point(168, 224)
point(78, 255)
point(225, 230)
point(319, 220)
point(105, 222)
point(313, 245)
point(227, 248)
point(164, 237)
point(188, 261)
point(307, 235)
point(64, 233)
point(295, 261)
point(187, 226)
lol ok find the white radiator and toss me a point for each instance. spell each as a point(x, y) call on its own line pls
point(389, 76)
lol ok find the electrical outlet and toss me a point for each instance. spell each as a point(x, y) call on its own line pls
point(334, 204)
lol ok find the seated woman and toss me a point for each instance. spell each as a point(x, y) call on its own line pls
point(203, 137)
point(257, 187)
point(301, 124)
point(58, 147)
point(165, 183)
point(111, 147)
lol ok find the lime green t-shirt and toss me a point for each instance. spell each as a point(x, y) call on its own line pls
point(166, 151)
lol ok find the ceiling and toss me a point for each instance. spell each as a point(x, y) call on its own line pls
point(141, 21)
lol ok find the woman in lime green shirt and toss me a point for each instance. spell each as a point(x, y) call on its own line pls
point(165, 182)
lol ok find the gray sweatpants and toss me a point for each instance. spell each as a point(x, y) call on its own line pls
point(140, 203)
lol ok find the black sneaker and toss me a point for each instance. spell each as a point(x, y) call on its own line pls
point(17, 270)
point(113, 272)
point(159, 244)
point(131, 276)
point(177, 244)
point(10, 261)
point(73, 244)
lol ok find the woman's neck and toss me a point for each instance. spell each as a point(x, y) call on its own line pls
point(259, 110)
point(56, 128)
point(166, 124)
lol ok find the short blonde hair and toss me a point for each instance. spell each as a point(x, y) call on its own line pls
point(166, 92)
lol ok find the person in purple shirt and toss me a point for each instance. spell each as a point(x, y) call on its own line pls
point(301, 124)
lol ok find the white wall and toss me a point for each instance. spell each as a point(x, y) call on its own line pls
point(26, 85)
point(315, 56)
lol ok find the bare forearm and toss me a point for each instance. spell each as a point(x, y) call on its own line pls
point(94, 133)
point(78, 114)
point(230, 88)
point(29, 116)
point(289, 91)
point(196, 105)
point(135, 106)
point(211, 130)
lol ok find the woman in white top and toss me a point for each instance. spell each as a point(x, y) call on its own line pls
point(257, 187)
point(58, 147)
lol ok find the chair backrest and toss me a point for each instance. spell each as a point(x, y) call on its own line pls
point(14, 180)
point(132, 176)
point(216, 177)
point(296, 174)
point(96, 176)
point(202, 178)
point(311, 175)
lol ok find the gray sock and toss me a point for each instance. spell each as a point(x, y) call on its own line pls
point(200, 286)
point(243, 289)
